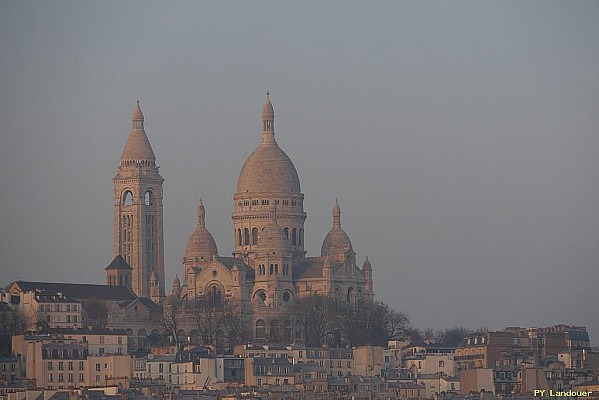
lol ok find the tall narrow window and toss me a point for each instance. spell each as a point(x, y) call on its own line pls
point(149, 198)
point(260, 329)
point(246, 236)
point(254, 235)
point(350, 293)
point(294, 236)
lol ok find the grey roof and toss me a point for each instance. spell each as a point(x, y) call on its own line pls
point(143, 300)
point(118, 263)
point(228, 262)
point(85, 331)
point(80, 291)
point(55, 298)
point(310, 268)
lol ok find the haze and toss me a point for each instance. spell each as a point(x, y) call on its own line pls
point(461, 139)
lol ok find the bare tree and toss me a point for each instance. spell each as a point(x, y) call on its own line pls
point(371, 322)
point(12, 323)
point(171, 311)
point(452, 336)
point(217, 323)
point(97, 312)
point(317, 317)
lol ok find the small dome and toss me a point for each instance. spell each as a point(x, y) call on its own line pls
point(201, 244)
point(336, 241)
point(272, 238)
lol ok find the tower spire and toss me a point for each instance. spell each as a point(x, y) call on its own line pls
point(268, 121)
point(138, 235)
point(336, 214)
point(138, 148)
point(201, 214)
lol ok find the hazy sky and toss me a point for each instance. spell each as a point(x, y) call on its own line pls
point(461, 139)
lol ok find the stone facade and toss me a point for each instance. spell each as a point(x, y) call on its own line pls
point(138, 234)
point(269, 267)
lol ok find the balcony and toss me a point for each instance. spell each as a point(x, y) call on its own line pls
point(470, 357)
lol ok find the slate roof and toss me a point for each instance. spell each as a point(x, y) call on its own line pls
point(85, 331)
point(118, 263)
point(310, 268)
point(143, 300)
point(228, 262)
point(79, 290)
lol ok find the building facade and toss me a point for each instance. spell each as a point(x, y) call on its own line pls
point(269, 267)
point(138, 234)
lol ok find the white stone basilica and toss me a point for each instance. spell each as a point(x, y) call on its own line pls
point(269, 267)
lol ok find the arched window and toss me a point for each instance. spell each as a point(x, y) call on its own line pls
point(254, 235)
point(337, 295)
point(149, 198)
point(277, 269)
point(214, 296)
point(275, 330)
point(260, 329)
point(239, 237)
point(271, 269)
point(286, 231)
point(300, 238)
point(246, 236)
point(260, 296)
point(350, 293)
point(128, 198)
point(294, 236)
point(287, 331)
point(286, 296)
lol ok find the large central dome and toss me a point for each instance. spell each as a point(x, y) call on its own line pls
point(268, 169)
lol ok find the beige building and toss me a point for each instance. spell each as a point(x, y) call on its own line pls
point(59, 362)
point(475, 380)
point(98, 341)
point(268, 371)
point(368, 361)
point(425, 358)
point(50, 310)
point(269, 267)
point(104, 369)
point(482, 350)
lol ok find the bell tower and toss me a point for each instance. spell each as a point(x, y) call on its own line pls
point(138, 234)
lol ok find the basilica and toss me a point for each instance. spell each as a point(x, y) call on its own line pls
point(269, 267)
